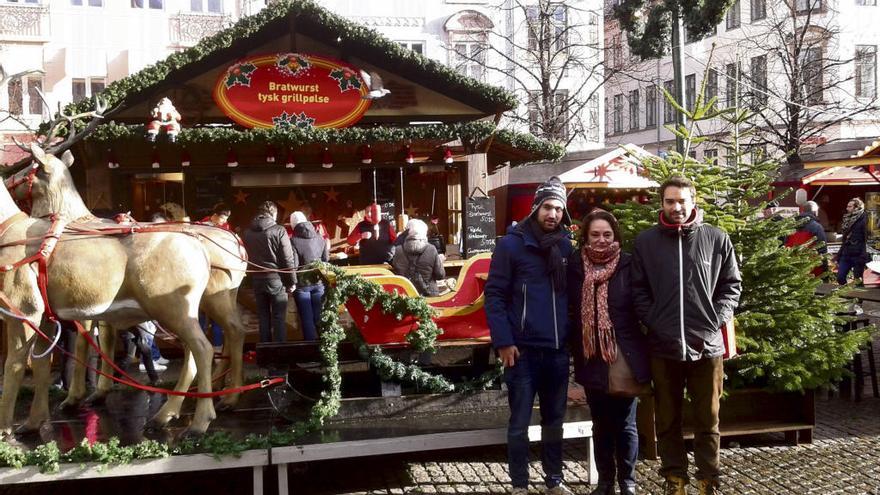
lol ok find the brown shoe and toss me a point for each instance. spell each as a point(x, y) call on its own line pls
point(675, 486)
point(709, 487)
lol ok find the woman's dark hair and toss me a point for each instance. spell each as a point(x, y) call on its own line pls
point(600, 214)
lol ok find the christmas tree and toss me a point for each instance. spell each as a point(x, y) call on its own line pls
point(788, 336)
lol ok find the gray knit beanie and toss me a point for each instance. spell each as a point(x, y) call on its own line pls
point(552, 189)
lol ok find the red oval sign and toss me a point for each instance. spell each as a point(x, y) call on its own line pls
point(291, 90)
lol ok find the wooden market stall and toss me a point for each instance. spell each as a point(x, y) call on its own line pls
point(278, 107)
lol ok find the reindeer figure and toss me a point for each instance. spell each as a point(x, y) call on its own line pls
point(53, 193)
point(122, 279)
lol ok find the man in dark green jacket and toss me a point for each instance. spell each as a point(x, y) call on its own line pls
point(686, 285)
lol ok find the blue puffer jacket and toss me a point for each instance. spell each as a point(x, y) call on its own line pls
point(593, 373)
point(521, 306)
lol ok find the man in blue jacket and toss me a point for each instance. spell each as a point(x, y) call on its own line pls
point(526, 307)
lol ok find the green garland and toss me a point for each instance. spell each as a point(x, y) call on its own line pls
point(350, 33)
point(340, 287)
point(532, 144)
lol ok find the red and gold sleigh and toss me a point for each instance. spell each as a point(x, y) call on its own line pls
point(459, 313)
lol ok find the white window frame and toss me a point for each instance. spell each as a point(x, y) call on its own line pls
point(866, 88)
point(88, 83)
point(146, 4)
point(409, 44)
point(205, 7)
point(27, 102)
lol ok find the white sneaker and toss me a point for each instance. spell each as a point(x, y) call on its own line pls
point(559, 489)
point(163, 361)
point(156, 366)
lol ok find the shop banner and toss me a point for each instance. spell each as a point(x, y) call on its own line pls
point(291, 90)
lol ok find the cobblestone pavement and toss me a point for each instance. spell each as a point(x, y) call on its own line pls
point(843, 459)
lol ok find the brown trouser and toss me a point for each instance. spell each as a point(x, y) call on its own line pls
point(703, 381)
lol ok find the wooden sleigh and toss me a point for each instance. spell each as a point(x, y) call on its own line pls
point(460, 313)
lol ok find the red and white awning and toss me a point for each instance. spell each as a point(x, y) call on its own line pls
point(618, 169)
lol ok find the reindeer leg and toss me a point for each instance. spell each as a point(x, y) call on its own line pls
point(223, 309)
point(191, 334)
point(13, 372)
point(107, 343)
point(171, 408)
point(42, 370)
point(77, 391)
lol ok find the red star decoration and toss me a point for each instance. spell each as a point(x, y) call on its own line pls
point(332, 194)
point(601, 171)
point(241, 197)
point(291, 204)
point(412, 211)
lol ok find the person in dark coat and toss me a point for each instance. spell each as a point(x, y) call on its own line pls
point(604, 328)
point(375, 237)
point(810, 231)
point(309, 246)
point(853, 254)
point(527, 313)
point(685, 284)
point(418, 261)
point(269, 247)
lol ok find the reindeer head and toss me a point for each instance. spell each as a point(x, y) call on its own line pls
point(41, 187)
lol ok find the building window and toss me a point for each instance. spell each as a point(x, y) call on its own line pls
point(732, 86)
point(733, 16)
point(759, 80)
point(690, 90)
point(151, 4)
point(866, 71)
point(552, 124)
point(811, 68)
point(711, 84)
point(616, 52)
point(593, 109)
point(90, 3)
point(668, 109)
point(416, 46)
point(634, 109)
point(651, 106)
point(759, 10)
point(24, 97)
point(553, 22)
point(593, 28)
point(710, 156)
point(469, 58)
point(82, 88)
point(213, 6)
point(804, 6)
point(618, 113)
point(866, 2)
point(730, 158)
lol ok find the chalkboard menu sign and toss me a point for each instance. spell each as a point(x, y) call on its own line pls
point(479, 226)
point(209, 190)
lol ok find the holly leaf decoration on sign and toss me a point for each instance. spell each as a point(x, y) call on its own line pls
point(294, 120)
point(346, 78)
point(292, 64)
point(303, 121)
point(239, 75)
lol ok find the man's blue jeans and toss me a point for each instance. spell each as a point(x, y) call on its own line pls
point(542, 372)
point(271, 299)
point(308, 303)
point(615, 437)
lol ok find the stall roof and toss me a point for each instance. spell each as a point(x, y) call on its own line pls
point(306, 17)
point(618, 168)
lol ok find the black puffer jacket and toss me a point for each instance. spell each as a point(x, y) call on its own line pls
point(685, 284)
point(853, 245)
point(268, 246)
point(309, 246)
point(416, 256)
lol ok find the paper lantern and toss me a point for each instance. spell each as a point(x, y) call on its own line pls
point(410, 159)
point(271, 153)
point(447, 156)
point(289, 161)
point(326, 159)
point(366, 154)
point(112, 161)
point(154, 161)
point(185, 159)
point(231, 159)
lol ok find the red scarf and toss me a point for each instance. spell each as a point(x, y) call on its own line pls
point(594, 297)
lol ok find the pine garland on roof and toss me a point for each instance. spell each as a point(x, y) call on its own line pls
point(350, 33)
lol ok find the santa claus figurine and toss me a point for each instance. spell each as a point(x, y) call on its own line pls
point(375, 235)
point(166, 117)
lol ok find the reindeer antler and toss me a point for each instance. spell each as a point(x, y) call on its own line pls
point(73, 137)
